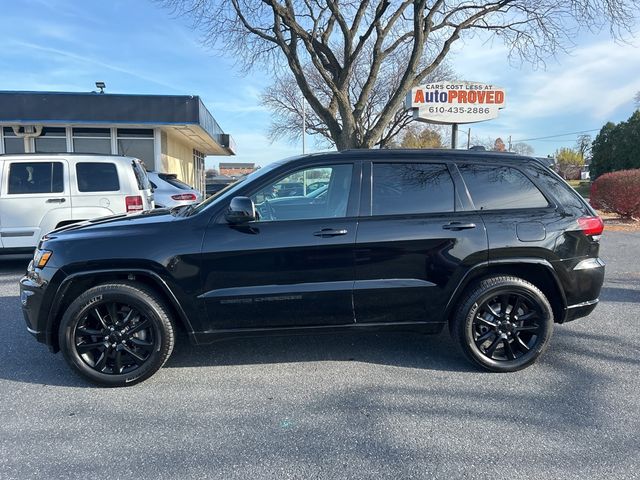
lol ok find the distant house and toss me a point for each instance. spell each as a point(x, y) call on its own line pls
point(236, 169)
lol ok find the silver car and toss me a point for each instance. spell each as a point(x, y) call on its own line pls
point(170, 192)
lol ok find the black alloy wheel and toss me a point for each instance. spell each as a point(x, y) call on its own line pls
point(114, 338)
point(117, 334)
point(507, 326)
point(503, 324)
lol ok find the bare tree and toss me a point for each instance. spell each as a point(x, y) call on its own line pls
point(522, 148)
point(285, 102)
point(335, 35)
point(499, 146)
point(583, 146)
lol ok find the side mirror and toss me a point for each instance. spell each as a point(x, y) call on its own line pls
point(241, 210)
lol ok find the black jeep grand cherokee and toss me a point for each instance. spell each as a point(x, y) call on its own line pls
point(496, 246)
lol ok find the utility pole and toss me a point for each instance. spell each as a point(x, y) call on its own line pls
point(304, 122)
point(509, 143)
point(454, 136)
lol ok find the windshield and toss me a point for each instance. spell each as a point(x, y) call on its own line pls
point(230, 189)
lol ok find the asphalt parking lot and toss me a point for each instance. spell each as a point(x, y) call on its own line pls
point(373, 406)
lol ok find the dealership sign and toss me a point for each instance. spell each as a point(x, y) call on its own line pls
point(455, 102)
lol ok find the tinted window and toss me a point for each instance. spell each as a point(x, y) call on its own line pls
point(411, 188)
point(97, 177)
point(40, 177)
point(288, 198)
point(172, 180)
point(494, 187)
point(558, 188)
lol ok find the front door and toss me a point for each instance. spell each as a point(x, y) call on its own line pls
point(35, 198)
point(413, 244)
point(294, 265)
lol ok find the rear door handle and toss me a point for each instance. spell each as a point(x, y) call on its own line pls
point(329, 232)
point(455, 226)
point(56, 200)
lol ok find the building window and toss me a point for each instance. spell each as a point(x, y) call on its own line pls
point(198, 163)
point(137, 143)
point(35, 177)
point(12, 144)
point(52, 140)
point(92, 140)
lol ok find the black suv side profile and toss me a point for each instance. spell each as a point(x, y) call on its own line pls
point(495, 246)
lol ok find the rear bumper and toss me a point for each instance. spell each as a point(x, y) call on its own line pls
point(582, 280)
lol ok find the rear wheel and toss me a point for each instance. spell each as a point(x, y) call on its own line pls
point(116, 334)
point(503, 324)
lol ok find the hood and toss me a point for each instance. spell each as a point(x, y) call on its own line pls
point(113, 222)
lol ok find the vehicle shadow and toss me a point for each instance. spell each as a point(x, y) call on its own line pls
point(401, 349)
point(616, 294)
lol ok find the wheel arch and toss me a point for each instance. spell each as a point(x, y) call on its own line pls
point(537, 271)
point(76, 283)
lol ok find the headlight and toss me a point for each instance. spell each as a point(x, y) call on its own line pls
point(41, 257)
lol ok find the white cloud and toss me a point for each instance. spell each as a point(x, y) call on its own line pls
point(596, 80)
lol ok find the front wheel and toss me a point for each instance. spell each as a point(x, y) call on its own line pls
point(503, 324)
point(116, 334)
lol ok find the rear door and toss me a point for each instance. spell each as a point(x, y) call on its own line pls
point(415, 242)
point(98, 190)
point(35, 198)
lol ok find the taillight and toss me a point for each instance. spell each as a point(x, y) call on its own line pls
point(591, 225)
point(134, 204)
point(184, 196)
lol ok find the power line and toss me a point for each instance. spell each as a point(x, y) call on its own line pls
point(556, 136)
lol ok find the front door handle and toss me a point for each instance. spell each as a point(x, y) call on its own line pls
point(455, 226)
point(329, 232)
point(56, 200)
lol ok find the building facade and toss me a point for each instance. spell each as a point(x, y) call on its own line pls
point(170, 133)
point(236, 170)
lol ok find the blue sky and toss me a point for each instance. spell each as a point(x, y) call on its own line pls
point(137, 47)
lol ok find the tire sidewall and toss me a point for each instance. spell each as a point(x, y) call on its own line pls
point(526, 359)
point(83, 304)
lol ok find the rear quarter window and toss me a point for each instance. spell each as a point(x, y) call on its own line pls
point(97, 177)
point(566, 196)
point(171, 180)
point(497, 187)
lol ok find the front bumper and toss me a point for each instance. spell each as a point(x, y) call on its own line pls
point(32, 289)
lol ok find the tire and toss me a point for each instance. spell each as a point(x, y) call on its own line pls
point(503, 324)
point(116, 334)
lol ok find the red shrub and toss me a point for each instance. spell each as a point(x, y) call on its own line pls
point(617, 192)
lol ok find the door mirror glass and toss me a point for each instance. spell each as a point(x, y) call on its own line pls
point(241, 210)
